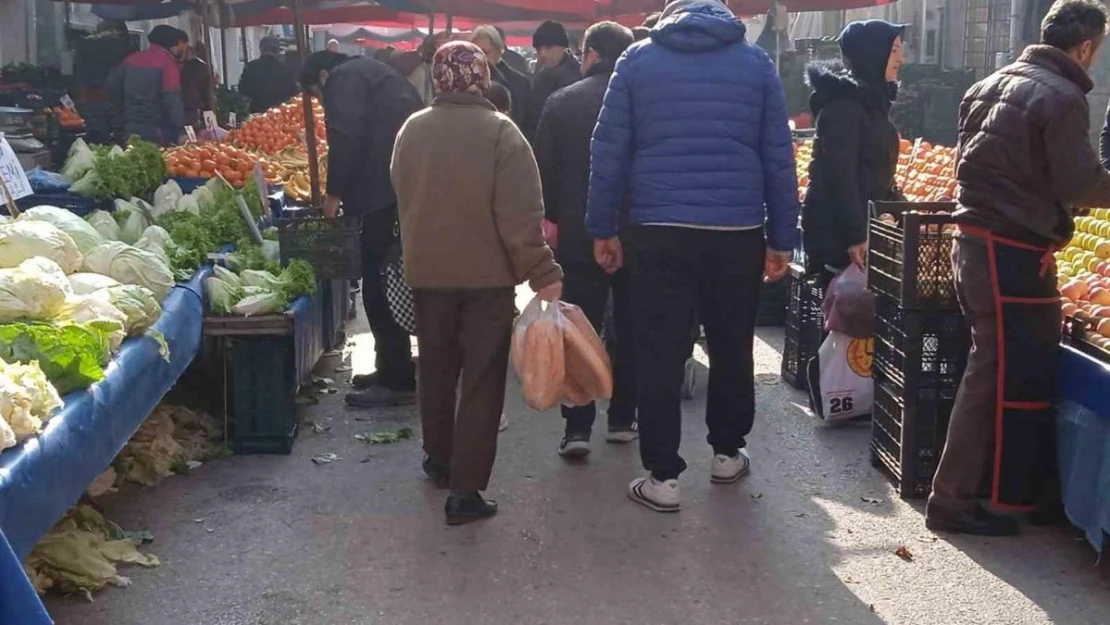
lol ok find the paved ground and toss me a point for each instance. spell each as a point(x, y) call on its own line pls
point(279, 540)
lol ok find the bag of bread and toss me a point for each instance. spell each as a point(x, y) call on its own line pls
point(587, 361)
point(537, 354)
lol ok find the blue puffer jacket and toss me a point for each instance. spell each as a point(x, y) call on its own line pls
point(694, 127)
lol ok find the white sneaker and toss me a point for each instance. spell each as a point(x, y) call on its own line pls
point(504, 424)
point(659, 496)
point(728, 469)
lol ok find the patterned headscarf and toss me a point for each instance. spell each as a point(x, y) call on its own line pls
point(460, 67)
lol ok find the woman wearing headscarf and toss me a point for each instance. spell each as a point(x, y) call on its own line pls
point(855, 154)
point(470, 207)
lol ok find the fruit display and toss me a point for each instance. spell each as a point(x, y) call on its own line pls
point(924, 175)
point(279, 128)
point(1083, 276)
point(68, 119)
point(204, 160)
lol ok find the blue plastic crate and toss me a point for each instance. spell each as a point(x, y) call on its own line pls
point(77, 204)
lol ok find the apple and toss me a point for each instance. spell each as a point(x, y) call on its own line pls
point(1099, 296)
point(1074, 290)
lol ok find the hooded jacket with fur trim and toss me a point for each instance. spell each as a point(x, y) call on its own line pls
point(855, 156)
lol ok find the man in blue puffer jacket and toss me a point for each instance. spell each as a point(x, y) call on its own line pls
point(694, 129)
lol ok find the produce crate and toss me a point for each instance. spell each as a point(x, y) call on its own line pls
point(911, 260)
point(76, 204)
point(908, 431)
point(773, 298)
point(265, 359)
point(331, 246)
point(920, 349)
point(1080, 333)
point(804, 323)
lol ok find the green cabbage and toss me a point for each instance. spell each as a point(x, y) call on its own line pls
point(157, 241)
point(87, 185)
point(29, 380)
point(257, 277)
point(222, 295)
point(79, 161)
point(83, 234)
point(137, 303)
point(90, 308)
point(20, 240)
point(132, 222)
point(35, 290)
point(264, 304)
point(105, 224)
point(86, 283)
point(71, 355)
point(228, 276)
point(130, 265)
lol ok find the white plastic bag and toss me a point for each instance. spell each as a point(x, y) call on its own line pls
point(537, 354)
point(845, 389)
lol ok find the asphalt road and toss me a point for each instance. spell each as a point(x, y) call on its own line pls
point(809, 537)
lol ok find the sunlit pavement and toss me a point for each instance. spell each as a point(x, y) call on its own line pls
point(808, 537)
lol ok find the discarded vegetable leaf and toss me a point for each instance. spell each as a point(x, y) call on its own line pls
point(904, 553)
point(385, 438)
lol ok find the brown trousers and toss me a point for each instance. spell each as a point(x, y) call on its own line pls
point(970, 444)
point(463, 333)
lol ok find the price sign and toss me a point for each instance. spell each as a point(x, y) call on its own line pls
point(190, 135)
point(68, 102)
point(210, 121)
point(233, 120)
point(260, 184)
point(15, 184)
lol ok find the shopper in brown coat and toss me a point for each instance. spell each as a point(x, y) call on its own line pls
point(1024, 164)
point(470, 207)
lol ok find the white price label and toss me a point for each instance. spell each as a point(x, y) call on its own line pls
point(190, 135)
point(68, 102)
point(210, 121)
point(15, 184)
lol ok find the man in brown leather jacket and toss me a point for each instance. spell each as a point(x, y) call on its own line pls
point(1025, 163)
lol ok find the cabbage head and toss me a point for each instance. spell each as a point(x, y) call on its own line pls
point(20, 240)
point(29, 377)
point(36, 290)
point(260, 278)
point(131, 221)
point(187, 203)
point(167, 194)
point(130, 265)
point(137, 303)
point(227, 276)
point(105, 224)
point(264, 304)
point(157, 241)
point(87, 185)
point(83, 234)
point(222, 295)
point(79, 161)
point(89, 309)
point(86, 283)
point(204, 197)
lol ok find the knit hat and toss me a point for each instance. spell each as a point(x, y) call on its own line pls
point(865, 47)
point(551, 34)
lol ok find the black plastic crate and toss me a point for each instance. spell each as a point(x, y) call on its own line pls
point(773, 298)
point(331, 246)
point(920, 349)
point(337, 302)
point(908, 431)
point(263, 388)
point(804, 323)
point(911, 260)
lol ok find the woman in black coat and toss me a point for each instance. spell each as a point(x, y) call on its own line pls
point(855, 154)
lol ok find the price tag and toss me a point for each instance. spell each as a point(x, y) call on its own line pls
point(210, 121)
point(263, 188)
point(246, 212)
point(15, 184)
point(233, 120)
point(190, 135)
point(68, 102)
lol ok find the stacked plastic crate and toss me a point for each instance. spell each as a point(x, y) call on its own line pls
point(804, 326)
point(921, 340)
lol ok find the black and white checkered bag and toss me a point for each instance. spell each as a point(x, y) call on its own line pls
point(397, 291)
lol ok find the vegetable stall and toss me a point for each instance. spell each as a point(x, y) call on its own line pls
point(921, 343)
point(114, 273)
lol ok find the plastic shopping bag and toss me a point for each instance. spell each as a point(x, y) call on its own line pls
point(848, 306)
point(589, 372)
point(844, 388)
point(537, 354)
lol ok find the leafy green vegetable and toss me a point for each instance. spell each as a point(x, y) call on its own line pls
point(71, 355)
point(385, 438)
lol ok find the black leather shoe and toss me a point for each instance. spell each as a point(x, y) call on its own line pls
point(364, 381)
point(467, 508)
point(380, 397)
point(977, 521)
point(437, 473)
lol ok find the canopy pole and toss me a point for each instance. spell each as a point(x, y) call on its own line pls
point(450, 23)
point(309, 117)
point(223, 41)
point(243, 44)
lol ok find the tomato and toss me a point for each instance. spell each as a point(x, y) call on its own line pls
point(208, 164)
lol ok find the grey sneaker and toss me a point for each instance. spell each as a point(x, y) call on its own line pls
point(622, 434)
point(575, 446)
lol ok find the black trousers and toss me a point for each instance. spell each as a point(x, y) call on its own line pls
point(587, 286)
point(680, 276)
point(392, 347)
